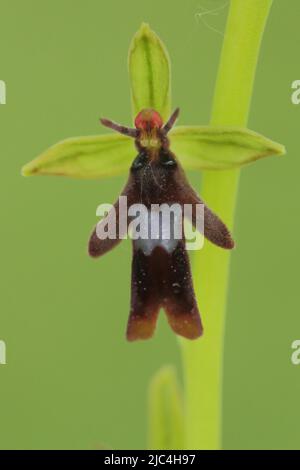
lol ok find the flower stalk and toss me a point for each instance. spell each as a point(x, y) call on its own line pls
point(203, 360)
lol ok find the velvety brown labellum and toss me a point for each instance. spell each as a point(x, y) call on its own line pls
point(160, 278)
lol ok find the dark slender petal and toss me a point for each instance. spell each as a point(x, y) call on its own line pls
point(98, 247)
point(168, 126)
point(214, 229)
point(131, 132)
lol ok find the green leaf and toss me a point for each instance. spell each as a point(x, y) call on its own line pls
point(85, 157)
point(220, 148)
point(166, 417)
point(149, 73)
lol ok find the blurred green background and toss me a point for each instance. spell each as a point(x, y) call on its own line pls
point(72, 381)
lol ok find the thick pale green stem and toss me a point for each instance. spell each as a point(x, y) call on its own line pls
point(203, 359)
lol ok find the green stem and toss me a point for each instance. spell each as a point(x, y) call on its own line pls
point(203, 359)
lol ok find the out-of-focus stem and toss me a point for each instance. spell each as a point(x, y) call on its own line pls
point(203, 359)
